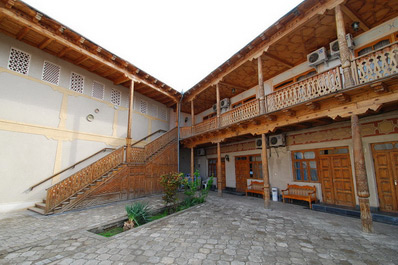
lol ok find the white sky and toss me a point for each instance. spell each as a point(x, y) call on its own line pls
point(178, 42)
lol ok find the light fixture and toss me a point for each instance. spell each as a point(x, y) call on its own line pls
point(96, 110)
point(186, 119)
point(227, 158)
point(233, 90)
point(355, 26)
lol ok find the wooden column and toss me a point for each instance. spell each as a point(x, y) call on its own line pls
point(218, 105)
point(192, 114)
point(264, 160)
point(130, 122)
point(345, 56)
point(261, 93)
point(361, 177)
point(177, 113)
point(192, 161)
point(219, 173)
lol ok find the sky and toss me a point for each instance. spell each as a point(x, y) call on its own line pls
point(178, 42)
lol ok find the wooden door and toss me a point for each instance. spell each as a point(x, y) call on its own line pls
point(385, 158)
point(242, 172)
point(213, 171)
point(336, 175)
point(223, 180)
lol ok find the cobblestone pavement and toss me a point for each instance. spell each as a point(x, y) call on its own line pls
point(227, 230)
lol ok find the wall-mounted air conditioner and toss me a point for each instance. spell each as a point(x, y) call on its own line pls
point(259, 143)
point(317, 57)
point(225, 103)
point(276, 140)
point(334, 45)
point(200, 152)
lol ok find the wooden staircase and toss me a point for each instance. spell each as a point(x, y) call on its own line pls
point(73, 190)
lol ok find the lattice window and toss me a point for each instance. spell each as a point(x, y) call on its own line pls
point(98, 90)
point(162, 114)
point(143, 106)
point(76, 83)
point(153, 110)
point(116, 97)
point(19, 61)
point(51, 73)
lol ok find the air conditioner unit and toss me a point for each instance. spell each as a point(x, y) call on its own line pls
point(215, 107)
point(334, 45)
point(276, 140)
point(259, 143)
point(317, 57)
point(200, 152)
point(225, 103)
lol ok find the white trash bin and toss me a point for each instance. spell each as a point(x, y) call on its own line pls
point(275, 194)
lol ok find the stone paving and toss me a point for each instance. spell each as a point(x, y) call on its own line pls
point(227, 230)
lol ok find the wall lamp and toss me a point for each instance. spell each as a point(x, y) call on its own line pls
point(355, 26)
point(227, 158)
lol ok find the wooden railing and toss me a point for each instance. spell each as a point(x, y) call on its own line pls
point(244, 112)
point(207, 125)
point(146, 137)
point(160, 142)
point(377, 64)
point(137, 155)
point(185, 132)
point(305, 90)
point(61, 191)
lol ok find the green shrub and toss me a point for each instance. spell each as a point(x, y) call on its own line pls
point(171, 182)
point(195, 195)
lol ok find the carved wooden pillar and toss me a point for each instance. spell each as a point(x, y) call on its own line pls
point(219, 173)
point(361, 177)
point(177, 113)
point(218, 105)
point(343, 47)
point(130, 122)
point(264, 160)
point(261, 93)
point(192, 115)
point(192, 162)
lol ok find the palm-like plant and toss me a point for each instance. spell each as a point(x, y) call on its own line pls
point(138, 214)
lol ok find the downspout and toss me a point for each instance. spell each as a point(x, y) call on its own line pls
point(178, 129)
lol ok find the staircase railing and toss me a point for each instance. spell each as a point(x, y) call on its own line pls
point(70, 167)
point(160, 142)
point(146, 137)
point(61, 191)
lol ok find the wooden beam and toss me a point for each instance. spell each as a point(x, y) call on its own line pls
point(343, 98)
point(95, 67)
point(270, 117)
point(81, 60)
point(109, 72)
point(312, 105)
point(22, 33)
point(354, 17)
point(45, 43)
point(64, 51)
point(121, 79)
point(130, 113)
point(289, 112)
point(379, 87)
point(278, 60)
point(264, 163)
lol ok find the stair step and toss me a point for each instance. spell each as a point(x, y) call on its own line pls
point(40, 205)
point(65, 203)
point(72, 198)
point(79, 192)
point(36, 210)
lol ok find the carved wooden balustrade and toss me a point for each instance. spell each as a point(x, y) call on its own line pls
point(305, 90)
point(137, 155)
point(244, 112)
point(159, 143)
point(207, 125)
point(377, 64)
point(185, 132)
point(61, 191)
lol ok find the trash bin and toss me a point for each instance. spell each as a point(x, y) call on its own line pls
point(275, 194)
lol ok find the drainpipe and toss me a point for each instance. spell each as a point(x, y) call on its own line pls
point(178, 129)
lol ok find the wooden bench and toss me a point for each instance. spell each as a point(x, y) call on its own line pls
point(255, 187)
point(297, 192)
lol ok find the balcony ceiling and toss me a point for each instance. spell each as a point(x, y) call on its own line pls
point(292, 49)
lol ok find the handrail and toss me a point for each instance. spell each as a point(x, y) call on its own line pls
point(72, 166)
point(149, 135)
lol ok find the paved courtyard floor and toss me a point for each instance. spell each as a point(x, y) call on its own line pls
point(226, 230)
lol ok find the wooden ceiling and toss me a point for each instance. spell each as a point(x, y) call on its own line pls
point(26, 24)
point(286, 50)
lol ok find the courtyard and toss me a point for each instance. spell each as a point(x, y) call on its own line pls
point(224, 230)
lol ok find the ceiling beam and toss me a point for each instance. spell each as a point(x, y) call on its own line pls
point(278, 60)
point(354, 17)
point(81, 59)
point(121, 79)
point(22, 33)
point(45, 43)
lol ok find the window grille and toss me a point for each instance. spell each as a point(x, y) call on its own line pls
point(51, 73)
point(116, 97)
point(98, 90)
point(143, 106)
point(19, 61)
point(76, 83)
point(163, 114)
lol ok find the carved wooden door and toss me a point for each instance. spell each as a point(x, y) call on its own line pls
point(242, 172)
point(223, 180)
point(385, 158)
point(337, 184)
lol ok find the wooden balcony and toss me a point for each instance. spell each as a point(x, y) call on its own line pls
point(366, 69)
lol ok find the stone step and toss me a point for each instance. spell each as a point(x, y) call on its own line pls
point(40, 205)
point(37, 210)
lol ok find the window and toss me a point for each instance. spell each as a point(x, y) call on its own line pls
point(256, 167)
point(19, 61)
point(241, 102)
point(305, 166)
point(98, 90)
point(116, 97)
point(375, 45)
point(51, 73)
point(143, 106)
point(76, 83)
point(295, 79)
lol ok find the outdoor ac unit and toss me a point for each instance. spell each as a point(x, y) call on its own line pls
point(225, 103)
point(317, 57)
point(200, 152)
point(259, 143)
point(215, 107)
point(334, 45)
point(276, 140)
